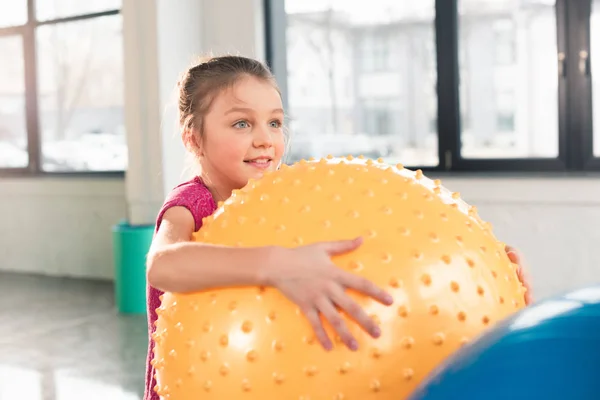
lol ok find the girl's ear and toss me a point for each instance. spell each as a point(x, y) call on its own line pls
point(192, 141)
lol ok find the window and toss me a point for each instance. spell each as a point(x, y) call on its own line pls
point(13, 130)
point(443, 84)
point(372, 72)
point(504, 41)
point(378, 116)
point(374, 50)
point(512, 98)
point(61, 91)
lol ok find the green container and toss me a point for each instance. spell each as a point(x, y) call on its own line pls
point(131, 245)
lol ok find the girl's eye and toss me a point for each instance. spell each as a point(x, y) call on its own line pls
point(276, 124)
point(241, 124)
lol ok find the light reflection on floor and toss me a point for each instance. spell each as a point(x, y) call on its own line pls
point(61, 339)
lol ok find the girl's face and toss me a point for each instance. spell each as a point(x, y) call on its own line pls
point(243, 135)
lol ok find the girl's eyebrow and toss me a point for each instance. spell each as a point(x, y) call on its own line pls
point(238, 109)
point(249, 110)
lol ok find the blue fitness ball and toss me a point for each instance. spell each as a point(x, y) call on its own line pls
point(547, 351)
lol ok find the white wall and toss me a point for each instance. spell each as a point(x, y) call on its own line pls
point(62, 226)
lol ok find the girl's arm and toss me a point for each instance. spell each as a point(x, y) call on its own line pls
point(175, 264)
point(305, 275)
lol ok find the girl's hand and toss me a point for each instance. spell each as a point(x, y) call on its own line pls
point(307, 276)
point(514, 257)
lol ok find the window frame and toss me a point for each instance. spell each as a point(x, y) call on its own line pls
point(27, 32)
point(575, 129)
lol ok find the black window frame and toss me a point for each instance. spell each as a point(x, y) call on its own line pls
point(575, 136)
point(27, 33)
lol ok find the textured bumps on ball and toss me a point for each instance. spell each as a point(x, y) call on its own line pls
point(449, 276)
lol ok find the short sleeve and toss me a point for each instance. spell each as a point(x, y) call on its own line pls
point(192, 195)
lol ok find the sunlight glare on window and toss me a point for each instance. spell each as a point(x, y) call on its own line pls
point(80, 81)
point(53, 9)
point(13, 131)
point(13, 13)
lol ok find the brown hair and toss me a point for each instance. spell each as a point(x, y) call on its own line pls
point(201, 83)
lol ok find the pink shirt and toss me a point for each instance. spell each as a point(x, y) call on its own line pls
point(196, 197)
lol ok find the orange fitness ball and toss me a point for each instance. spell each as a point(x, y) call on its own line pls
point(450, 278)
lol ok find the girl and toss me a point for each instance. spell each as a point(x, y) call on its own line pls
point(231, 116)
point(232, 122)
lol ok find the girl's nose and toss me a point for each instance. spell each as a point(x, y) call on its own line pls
point(263, 137)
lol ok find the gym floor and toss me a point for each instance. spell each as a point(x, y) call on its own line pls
point(61, 339)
